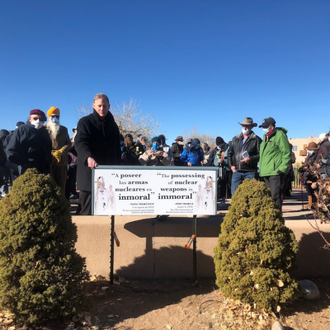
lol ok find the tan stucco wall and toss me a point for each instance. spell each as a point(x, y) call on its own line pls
point(153, 249)
point(301, 143)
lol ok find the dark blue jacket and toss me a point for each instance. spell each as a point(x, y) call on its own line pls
point(30, 147)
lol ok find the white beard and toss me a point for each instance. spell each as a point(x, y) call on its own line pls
point(53, 129)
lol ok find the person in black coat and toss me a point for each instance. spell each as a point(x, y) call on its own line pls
point(2, 165)
point(243, 154)
point(30, 145)
point(177, 149)
point(97, 143)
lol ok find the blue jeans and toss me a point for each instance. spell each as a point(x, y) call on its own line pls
point(238, 178)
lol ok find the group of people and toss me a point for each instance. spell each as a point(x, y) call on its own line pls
point(40, 143)
point(315, 167)
point(44, 144)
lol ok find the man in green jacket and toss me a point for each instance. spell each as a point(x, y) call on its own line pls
point(275, 158)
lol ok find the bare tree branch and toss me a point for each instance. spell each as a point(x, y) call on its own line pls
point(129, 118)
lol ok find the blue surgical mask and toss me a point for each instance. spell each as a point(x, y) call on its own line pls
point(55, 120)
point(154, 146)
point(246, 131)
point(265, 130)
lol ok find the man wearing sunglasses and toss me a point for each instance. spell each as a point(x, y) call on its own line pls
point(61, 144)
point(30, 144)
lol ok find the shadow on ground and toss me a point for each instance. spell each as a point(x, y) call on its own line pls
point(138, 297)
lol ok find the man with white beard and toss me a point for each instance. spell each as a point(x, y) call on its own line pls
point(61, 144)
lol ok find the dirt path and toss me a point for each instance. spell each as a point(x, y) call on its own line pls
point(180, 304)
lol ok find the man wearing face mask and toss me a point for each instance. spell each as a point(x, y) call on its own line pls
point(243, 154)
point(307, 174)
point(275, 158)
point(30, 144)
point(324, 148)
point(61, 144)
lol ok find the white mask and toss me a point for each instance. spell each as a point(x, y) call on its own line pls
point(37, 123)
point(246, 131)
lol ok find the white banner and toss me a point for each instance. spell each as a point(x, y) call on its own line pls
point(131, 190)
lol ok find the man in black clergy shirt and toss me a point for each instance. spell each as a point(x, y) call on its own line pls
point(97, 143)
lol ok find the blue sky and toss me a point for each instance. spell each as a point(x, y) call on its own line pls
point(205, 64)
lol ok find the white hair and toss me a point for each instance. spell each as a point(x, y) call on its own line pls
point(323, 136)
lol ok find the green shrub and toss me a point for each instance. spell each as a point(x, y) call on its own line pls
point(41, 275)
point(255, 253)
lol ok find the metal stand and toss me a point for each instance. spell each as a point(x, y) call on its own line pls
point(194, 249)
point(112, 228)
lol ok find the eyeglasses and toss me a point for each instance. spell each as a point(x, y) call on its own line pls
point(34, 118)
point(55, 116)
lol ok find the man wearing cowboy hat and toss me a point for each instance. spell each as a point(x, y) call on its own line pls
point(275, 158)
point(243, 154)
point(308, 176)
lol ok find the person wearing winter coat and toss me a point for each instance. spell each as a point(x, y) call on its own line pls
point(61, 145)
point(140, 145)
point(30, 145)
point(243, 154)
point(323, 150)
point(193, 155)
point(97, 143)
point(166, 148)
point(177, 149)
point(275, 158)
point(155, 156)
point(3, 170)
point(307, 172)
point(129, 156)
point(217, 159)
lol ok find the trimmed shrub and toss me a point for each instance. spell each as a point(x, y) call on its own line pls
point(255, 253)
point(41, 275)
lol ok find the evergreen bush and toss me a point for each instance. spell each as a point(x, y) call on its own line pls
point(256, 253)
point(41, 275)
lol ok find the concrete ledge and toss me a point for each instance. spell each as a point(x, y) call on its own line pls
point(153, 249)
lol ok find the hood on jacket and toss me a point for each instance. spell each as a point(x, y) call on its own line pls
point(3, 134)
point(284, 130)
point(194, 142)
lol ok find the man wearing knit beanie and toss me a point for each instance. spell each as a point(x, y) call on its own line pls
point(61, 145)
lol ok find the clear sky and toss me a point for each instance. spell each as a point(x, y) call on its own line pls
point(205, 64)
